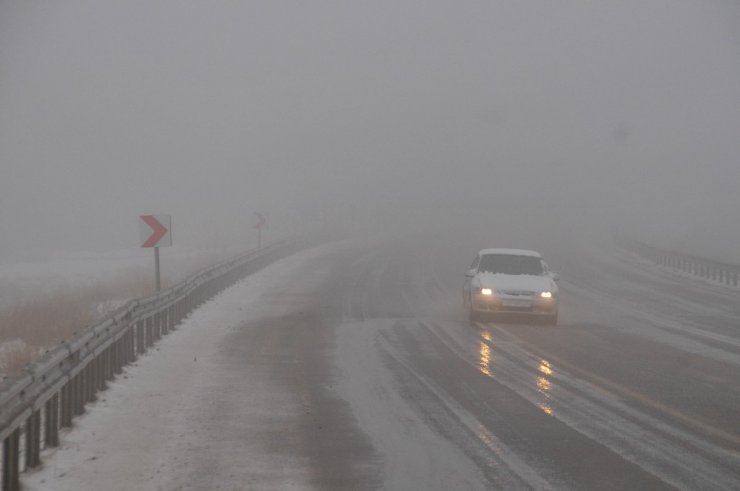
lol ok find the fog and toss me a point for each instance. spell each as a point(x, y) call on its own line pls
point(381, 117)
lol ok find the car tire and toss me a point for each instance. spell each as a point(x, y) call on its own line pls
point(473, 316)
point(552, 320)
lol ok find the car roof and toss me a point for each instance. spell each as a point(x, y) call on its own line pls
point(510, 252)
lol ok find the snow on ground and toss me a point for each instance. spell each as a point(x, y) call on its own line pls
point(25, 280)
point(125, 440)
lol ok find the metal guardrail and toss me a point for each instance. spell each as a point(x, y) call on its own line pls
point(46, 395)
point(723, 273)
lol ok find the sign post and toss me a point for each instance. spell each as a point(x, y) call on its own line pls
point(259, 226)
point(156, 268)
point(156, 231)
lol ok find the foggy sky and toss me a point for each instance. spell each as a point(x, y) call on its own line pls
point(388, 114)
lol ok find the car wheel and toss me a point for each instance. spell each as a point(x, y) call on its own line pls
point(552, 320)
point(473, 317)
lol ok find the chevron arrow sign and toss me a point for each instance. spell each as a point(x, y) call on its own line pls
point(155, 230)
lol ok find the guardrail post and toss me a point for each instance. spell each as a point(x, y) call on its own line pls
point(132, 344)
point(104, 375)
point(116, 354)
point(178, 311)
point(102, 378)
point(85, 384)
point(11, 457)
point(79, 404)
point(92, 384)
point(140, 337)
point(95, 376)
point(33, 440)
point(113, 360)
point(157, 328)
point(130, 354)
point(149, 331)
point(64, 412)
point(109, 363)
point(165, 322)
point(126, 347)
point(51, 430)
point(73, 397)
point(79, 392)
point(89, 389)
point(118, 348)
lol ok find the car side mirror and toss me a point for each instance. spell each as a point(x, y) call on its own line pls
point(470, 273)
point(555, 276)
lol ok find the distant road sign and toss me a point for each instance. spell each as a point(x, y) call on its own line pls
point(261, 221)
point(155, 230)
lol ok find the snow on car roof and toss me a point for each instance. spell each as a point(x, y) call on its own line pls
point(512, 252)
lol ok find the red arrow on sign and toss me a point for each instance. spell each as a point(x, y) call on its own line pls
point(158, 230)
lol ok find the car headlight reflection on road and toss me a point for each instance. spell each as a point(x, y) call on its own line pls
point(546, 294)
point(486, 291)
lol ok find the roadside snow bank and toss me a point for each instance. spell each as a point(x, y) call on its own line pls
point(126, 438)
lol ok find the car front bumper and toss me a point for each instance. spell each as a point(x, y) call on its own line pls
point(514, 304)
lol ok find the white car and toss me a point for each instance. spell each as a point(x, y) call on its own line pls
point(515, 281)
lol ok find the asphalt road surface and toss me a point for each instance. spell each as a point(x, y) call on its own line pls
point(369, 376)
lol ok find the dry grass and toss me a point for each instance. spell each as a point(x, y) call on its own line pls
point(43, 321)
point(30, 327)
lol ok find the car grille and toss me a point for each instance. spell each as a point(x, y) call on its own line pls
point(518, 293)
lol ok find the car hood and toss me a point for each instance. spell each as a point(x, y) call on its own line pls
point(518, 282)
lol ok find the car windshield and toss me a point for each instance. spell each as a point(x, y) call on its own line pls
point(510, 264)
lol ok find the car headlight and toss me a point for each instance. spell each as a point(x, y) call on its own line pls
point(546, 294)
point(486, 291)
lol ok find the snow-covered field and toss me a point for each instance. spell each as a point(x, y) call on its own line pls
point(25, 280)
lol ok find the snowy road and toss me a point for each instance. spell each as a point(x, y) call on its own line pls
point(351, 366)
